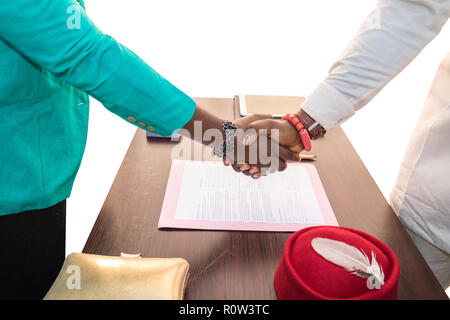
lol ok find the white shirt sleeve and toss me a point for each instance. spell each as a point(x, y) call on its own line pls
point(393, 35)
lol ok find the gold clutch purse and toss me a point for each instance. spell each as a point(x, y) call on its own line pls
point(129, 277)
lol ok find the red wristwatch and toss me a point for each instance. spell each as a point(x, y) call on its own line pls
point(304, 135)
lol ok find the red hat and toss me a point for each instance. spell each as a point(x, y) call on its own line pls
point(306, 272)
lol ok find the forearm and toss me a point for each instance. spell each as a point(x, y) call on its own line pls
point(204, 127)
point(86, 58)
point(388, 40)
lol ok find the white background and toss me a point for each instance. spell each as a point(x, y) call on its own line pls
point(211, 48)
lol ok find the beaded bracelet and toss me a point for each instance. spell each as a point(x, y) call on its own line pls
point(304, 135)
point(227, 146)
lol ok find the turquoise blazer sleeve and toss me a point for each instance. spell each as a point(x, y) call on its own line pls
point(60, 37)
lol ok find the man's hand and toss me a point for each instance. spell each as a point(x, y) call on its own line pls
point(266, 131)
point(281, 131)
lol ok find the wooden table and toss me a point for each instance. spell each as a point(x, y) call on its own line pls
point(240, 265)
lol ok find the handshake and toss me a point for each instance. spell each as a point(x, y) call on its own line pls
point(258, 145)
point(255, 145)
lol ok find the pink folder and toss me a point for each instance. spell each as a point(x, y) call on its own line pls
point(167, 218)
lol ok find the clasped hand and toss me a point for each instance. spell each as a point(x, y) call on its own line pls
point(264, 145)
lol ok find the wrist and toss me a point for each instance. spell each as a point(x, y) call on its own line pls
point(315, 130)
point(226, 146)
point(304, 135)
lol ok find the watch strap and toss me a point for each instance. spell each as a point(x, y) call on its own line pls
point(314, 128)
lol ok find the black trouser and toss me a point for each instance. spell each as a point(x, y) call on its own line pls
point(32, 251)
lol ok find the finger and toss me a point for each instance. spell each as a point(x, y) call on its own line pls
point(282, 165)
point(244, 167)
point(254, 117)
point(245, 121)
point(236, 168)
point(226, 162)
point(253, 169)
point(297, 149)
point(239, 167)
point(287, 154)
point(256, 175)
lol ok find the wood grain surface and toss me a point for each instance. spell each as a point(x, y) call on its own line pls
point(241, 265)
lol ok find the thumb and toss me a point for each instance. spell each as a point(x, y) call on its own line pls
point(245, 121)
point(257, 128)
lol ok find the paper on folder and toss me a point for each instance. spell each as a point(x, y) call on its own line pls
point(208, 195)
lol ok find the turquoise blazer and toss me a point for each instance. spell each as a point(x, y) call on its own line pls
point(52, 57)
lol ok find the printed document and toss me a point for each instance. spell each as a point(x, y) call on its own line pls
point(209, 192)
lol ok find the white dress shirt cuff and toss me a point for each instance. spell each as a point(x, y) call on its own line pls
point(328, 106)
